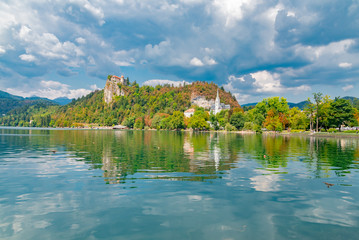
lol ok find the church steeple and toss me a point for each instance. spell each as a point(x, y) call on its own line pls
point(217, 104)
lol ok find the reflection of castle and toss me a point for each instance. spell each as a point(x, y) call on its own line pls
point(218, 106)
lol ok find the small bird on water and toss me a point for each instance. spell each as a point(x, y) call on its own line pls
point(53, 151)
point(329, 184)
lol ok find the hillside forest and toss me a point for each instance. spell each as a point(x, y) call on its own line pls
point(162, 107)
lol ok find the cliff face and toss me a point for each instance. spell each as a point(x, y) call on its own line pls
point(112, 88)
point(201, 101)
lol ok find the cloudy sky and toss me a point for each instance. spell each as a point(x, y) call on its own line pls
point(253, 48)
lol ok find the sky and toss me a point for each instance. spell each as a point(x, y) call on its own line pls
point(253, 48)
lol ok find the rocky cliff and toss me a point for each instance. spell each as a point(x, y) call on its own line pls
point(112, 88)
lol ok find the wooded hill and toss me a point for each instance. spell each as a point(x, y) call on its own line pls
point(9, 102)
point(138, 102)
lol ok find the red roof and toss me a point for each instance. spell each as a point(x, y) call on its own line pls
point(190, 110)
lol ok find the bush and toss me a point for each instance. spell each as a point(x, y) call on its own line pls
point(229, 127)
point(257, 128)
point(332, 130)
point(248, 126)
point(297, 130)
point(323, 130)
point(351, 131)
point(139, 123)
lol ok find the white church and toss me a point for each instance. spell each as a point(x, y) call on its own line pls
point(218, 106)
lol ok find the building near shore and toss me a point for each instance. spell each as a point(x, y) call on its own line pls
point(189, 112)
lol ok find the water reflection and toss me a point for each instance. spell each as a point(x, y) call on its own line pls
point(125, 155)
point(198, 185)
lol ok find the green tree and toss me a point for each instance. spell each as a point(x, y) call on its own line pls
point(177, 120)
point(297, 119)
point(237, 120)
point(309, 110)
point(197, 122)
point(341, 112)
point(139, 123)
point(318, 100)
point(129, 122)
point(214, 121)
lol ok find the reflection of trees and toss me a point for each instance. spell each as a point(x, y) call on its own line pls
point(123, 153)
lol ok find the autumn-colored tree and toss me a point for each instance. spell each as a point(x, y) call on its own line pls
point(272, 121)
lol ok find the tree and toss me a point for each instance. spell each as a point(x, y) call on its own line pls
point(273, 122)
point(279, 107)
point(297, 119)
point(129, 122)
point(309, 109)
point(139, 123)
point(318, 100)
point(197, 122)
point(214, 121)
point(177, 120)
point(341, 112)
point(325, 112)
point(237, 120)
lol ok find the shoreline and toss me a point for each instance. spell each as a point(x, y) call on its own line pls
point(243, 132)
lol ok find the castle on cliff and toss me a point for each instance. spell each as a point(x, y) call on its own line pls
point(112, 88)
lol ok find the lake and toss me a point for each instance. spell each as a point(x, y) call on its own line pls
point(113, 184)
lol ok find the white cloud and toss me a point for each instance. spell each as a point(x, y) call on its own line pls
point(27, 57)
point(155, 82)
point(94, 87)
point(232, 11)
point(2, 50)
point(53, 84)
point(271, 83)
point(209, 61)
point(157, 50)
point(48, 46)
point(234, 78)
point(196, 62)
point(345, 65)
point(124, 58)
point(52, 90)
point(267, 82)
point(347, 87)
point(80, 40)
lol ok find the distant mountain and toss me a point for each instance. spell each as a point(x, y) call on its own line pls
point(9, 102)
point(62, 100)
point(5, 95)
point(353, 100)
point(249, 104)
point(299, 105)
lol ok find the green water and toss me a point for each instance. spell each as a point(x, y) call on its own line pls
point(107, 184)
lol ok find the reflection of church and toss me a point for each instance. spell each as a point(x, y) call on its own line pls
point(218, 106)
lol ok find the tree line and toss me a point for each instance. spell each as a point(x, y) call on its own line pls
point(162, 107)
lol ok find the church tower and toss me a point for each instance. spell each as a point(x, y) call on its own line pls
point(217, 104)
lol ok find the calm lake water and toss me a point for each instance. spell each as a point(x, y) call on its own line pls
point(107, 184)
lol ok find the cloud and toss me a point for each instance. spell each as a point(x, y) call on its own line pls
point(196, 62)
point(27, 57)
point(2, 50)
point(155, 82)
point(80, 40)
point(345, 65)
point(51, 90)
point(274, 47)
point(347, 87)
point(260, 83)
